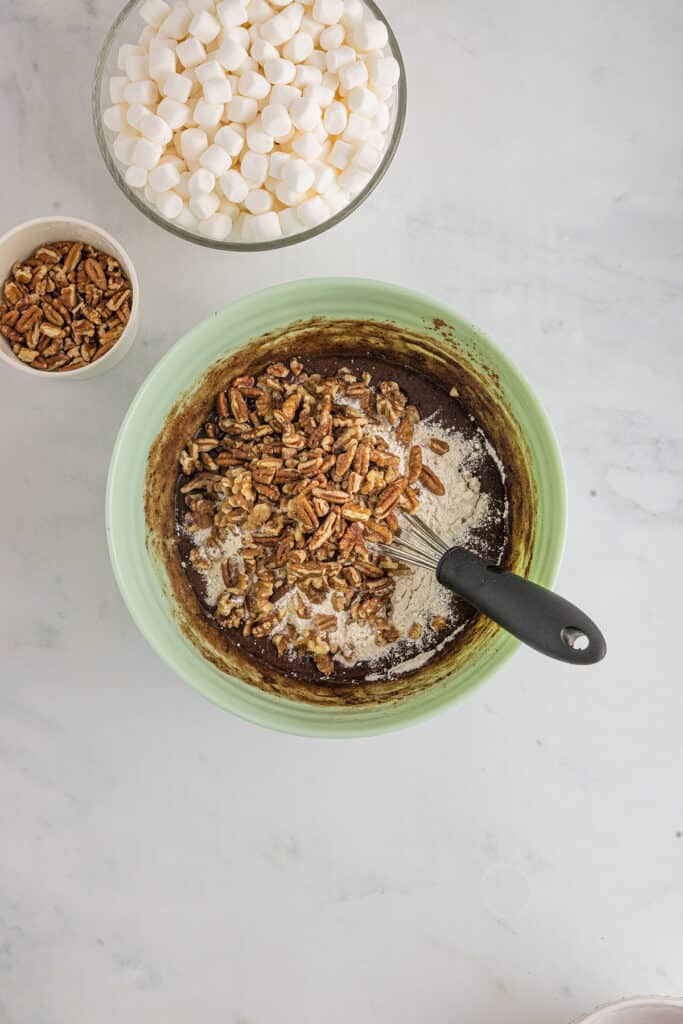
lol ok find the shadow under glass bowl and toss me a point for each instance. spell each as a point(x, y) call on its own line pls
point(126, 29)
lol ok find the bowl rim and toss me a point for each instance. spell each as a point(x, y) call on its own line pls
point(248, 702)
point(277, 243)
point(633, 1002)
point(114, 351)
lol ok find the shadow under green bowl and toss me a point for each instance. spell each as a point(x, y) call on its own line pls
point(141, 576)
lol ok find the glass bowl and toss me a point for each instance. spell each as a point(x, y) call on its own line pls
point(126, 29)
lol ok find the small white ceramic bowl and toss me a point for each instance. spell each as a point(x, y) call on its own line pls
point(644, 1010)
point(21, 241)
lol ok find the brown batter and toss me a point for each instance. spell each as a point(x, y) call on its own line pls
point(490, 540)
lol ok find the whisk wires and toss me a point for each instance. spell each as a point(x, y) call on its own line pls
point(421, 547)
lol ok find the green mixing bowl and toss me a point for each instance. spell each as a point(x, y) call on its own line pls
point(508, 410)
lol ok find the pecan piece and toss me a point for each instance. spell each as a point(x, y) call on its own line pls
point(430, 480)
point(414, 463)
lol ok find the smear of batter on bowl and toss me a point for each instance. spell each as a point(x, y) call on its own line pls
point(288, 484)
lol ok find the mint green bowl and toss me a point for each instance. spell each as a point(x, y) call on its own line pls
point(142, 579)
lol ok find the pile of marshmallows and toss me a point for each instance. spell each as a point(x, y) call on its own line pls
point(252, 119)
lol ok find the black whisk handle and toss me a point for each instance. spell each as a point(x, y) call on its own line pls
point(536, 616)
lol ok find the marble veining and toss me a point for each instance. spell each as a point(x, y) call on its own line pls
point(517, 860)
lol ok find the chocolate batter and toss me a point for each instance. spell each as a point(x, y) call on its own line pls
point(490, 540)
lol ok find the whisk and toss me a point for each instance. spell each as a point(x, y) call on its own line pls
point(536, 616)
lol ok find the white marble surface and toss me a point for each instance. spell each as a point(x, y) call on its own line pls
point(518, 859)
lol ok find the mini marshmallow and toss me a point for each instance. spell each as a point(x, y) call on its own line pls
point(279, 71)
point(357, 129)
point(186, 220)
point(259, 140)
point(231, 210)
point(123, 147)
point(275, 120)
point(259, 11)
point(137, 67)
point(324, 177)
point(207, 70)
point(283, 94)
point(330, 81)
point(230, 140)
point(175, 26)
point(154, 12)
point(254, 85)
point(193, 142)
point(263, 227)
point(354, 179)
point(289, 222)
point(207, 115)
point(144, 92)
point(313, 27)
point(294, 12)
point(134, 113)
point(254, 168)
point(114, 118)
point(181, 188)
point(382, 117)
point(354, 10)
point(232, 13)
point(384, 71)
point(146, 154)
point(241, 109)
point(336, 198)
point(312, 212)
point(367, 157)
point(155, 128)
point(276, 163)
point(176, 87)
point(136, 177)
point(305, 114)
point(201, 5)
point(335, 118)
point(332, 37)
point(170, 205)
point(117, 83)
point(233, 186)
point(217, 90)
point(288, 196)
point(340, 154)
point(307, 146)
point(298, 48)
point(216, 160)
point(126, 51)
point(258, 201)
point(231, 55)
point(204, 27)
point(262, 51)
point(164, 177)
point(238, 35)
point(201, 182)
point(307, 75)
point(317, 60)
point(146, 37)
point(150, 194)
point(353, 74)
point(278, 29)
point(297, 175)
point(336, 59)
point(328, 11)
point(370, 34)
point(190, 52)
point(362, 101)
point(216, 227)
point(204, 205)
point(319, 94)
point(161, 62)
